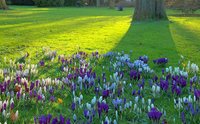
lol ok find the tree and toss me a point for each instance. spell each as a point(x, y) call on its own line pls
point(3, 4)
point(98, 3)
point(149, 10)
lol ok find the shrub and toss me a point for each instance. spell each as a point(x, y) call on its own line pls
point(43, 3)
point(186, 6)
point(21, 2)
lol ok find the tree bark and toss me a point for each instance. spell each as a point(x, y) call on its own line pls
point(3, 5)
point(149, 10)
point(98, 3)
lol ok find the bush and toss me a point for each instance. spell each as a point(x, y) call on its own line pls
point(186, 6)
point(21, 2)
point(43, 3)
point(70, 2)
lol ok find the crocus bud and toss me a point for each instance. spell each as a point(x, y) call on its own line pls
point(4, 113)
point(149, 108)
point(16, 114)
point(116, 114)
point(135, 106)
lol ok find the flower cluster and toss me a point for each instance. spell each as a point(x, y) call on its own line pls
point(95, 88)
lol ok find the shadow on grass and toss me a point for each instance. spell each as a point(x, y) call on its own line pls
point(185, 15)
point(187, 40)
point(153, 39)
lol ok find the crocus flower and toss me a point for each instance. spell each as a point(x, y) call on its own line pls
point(144, 58)
point(164, 85)
point(105, 93)
point(62, 119)
point(197, 94)
point(86, 113)
point(54, 120)
point(12, 106)
point(41, 63)
point(73, 106)
point(160, 61)
point(154, 114)
point(116, 102)
point(68, 121)
point(52, 99)
point(183, 117)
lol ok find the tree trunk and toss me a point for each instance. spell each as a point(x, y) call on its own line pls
point(149, 10)
point(98, 3)
point(3, 4)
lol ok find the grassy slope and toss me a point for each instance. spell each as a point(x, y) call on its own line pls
point(67, 29)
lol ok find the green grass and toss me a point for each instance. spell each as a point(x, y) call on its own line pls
point(28, 29)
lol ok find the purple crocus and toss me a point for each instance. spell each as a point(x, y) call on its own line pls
point(164, 85)
point(55, 121)
point(86, 113)
point(160, 61)
point(42, 119)
point(12, 106)
point(62, 119)
point(49, 116)
point(154, 114)
point(183, 117)
point(73, 106)
point(32, 85)
point(105, 93)
point(68, 121)
point(134, 75)
point(52, 99)
point(41, 63)
point(197, 94)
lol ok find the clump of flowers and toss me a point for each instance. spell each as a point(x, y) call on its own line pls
point(160, 61)
point(154, 115)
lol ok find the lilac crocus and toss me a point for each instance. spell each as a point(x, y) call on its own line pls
point(116, 102)
point(144, 59)
point(52, 99)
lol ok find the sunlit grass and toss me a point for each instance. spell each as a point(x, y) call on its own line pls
point(58, 29)
point(186, 35)
point(28, 29)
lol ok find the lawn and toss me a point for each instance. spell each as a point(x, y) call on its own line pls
point(69, 30)
point(28, 29)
